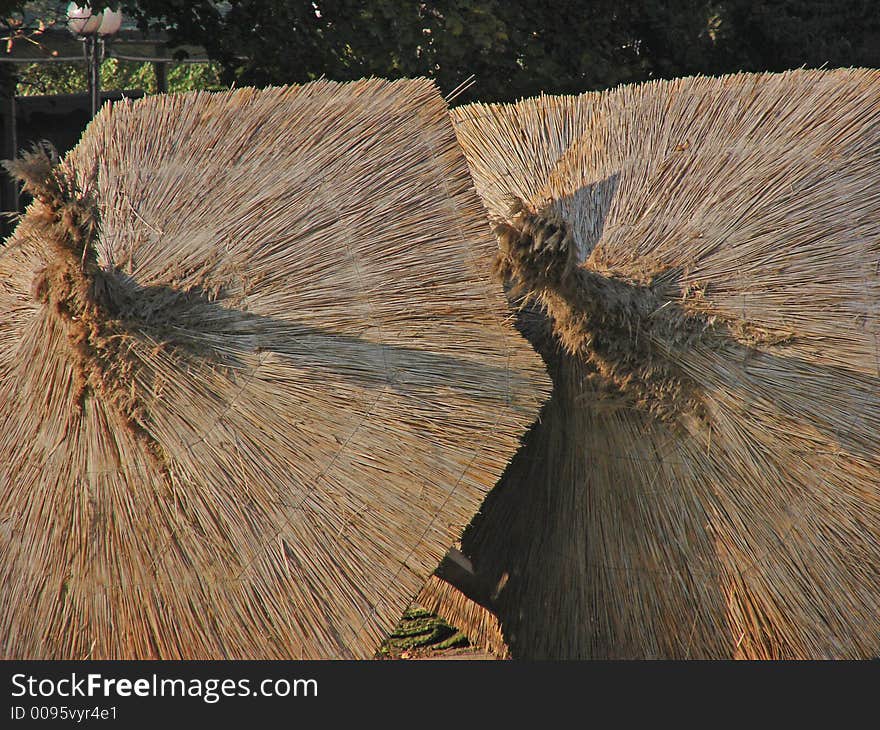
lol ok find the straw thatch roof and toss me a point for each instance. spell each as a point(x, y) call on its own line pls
point(253, 381)
point(705, 481)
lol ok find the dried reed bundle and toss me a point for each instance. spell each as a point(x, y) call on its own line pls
point(479, 624)
point(253, 380)
point(705, 481)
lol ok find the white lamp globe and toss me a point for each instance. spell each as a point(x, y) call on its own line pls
point(110, 23)
point(81, 20)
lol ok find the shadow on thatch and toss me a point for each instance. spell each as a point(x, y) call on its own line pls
point(577, 523)
point(192, 324)
point(749, 530)
point(537, 559)
point(589, 206)
point(261, 444)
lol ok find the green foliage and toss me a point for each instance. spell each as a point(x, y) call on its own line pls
point(194, 76)
point(8, 7)
point(514, 48)
point(420, 629)
point(517, 47)
point(70, 78)
point(50, 78)
point(778, 34)
point(22, 21)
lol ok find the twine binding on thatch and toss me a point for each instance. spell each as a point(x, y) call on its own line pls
point(75, 289)
point(631, 329)
point(751, 532)
point(326, 364)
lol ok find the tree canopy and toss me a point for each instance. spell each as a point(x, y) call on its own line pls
point(517, 48)
point(513, 48)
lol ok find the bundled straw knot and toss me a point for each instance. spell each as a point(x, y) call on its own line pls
point(536, 249)
point(626, 332)
point(74, 288)
point(630, 334)
point(71, 280)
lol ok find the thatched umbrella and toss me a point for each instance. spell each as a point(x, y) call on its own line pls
point(252, 380)
point(705, 481)
point(511, 150)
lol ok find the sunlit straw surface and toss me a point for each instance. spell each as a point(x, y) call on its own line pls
point(754, 531)
point(327, 374)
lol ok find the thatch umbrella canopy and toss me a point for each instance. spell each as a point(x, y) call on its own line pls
point(511, 150)
point(253, 379)
point(702, 266)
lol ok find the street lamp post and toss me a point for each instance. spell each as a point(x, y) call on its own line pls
point(94, 29)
